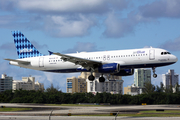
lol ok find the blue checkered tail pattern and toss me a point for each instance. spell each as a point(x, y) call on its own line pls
point(23, 46)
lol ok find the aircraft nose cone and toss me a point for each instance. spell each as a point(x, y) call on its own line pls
point(174, 58)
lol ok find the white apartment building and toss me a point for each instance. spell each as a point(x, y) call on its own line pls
point(27, 83)
point(113, 86)
point(5, 83)
point(141, 76)
point(170, 78)
point(133, 90)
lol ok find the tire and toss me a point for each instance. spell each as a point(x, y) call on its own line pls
point(91, 77)
point(155, 75)
point(101, 79)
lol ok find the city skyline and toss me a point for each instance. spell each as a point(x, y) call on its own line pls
point(68, 27)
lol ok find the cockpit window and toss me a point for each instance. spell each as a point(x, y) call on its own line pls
point(164, 53)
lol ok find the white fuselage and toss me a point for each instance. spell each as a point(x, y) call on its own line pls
point(128, 59)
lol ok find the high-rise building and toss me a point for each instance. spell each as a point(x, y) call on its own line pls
point(141, 76)
point(76, 85)
point(112, 84)
point(109, 86)
point(27, 83)
point(39, 86)
point(81, 84)
point(5, 83)
point(170, 79)
point(133, 90)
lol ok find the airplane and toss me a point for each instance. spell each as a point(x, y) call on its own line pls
point(117, 62)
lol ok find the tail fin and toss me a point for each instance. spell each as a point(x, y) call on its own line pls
point(23, 46)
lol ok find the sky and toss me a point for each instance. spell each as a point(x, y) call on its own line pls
point(68, 26)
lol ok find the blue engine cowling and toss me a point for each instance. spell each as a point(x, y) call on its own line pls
point(125, 72)
point(109, 68)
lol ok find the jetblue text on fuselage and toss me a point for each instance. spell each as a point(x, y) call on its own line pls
point(138, 52)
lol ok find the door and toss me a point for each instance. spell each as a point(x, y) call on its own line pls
point(41, 62)
point(151, 54)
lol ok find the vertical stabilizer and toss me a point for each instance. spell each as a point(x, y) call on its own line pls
point(23, 46)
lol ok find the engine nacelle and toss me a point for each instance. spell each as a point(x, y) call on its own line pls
point(125, 72)
point(109, 68)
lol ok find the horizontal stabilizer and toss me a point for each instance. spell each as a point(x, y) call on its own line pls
point(19, 61)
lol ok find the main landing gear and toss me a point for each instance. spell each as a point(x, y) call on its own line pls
point(91, 78)
point(101, 79)
point(154, 74)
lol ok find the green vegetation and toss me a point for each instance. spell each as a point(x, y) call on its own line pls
point(13, 109)
point(151, 95)
point(57, 97)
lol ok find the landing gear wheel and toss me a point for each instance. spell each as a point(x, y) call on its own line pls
point(91, 77)
point(101, 79)
point(155, 75)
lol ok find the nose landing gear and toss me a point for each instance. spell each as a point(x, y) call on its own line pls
point(154, 74)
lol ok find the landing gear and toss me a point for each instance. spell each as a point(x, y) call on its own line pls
point(91, 77)
point(101, 79)
point(154, 74)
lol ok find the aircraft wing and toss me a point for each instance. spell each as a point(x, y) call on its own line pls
point(19, 61)
point(86, 63)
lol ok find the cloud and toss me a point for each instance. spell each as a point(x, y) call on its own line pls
point(67, 18)
point(65, 26)
point(39, 46)
point(117, 27)
point(58, 79)
point(8, 49)
point(63, 18)
point(82, 47)
point(64, 6)
point(161, 8)
point(173, 45)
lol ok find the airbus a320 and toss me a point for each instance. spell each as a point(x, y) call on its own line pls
point(117, 62)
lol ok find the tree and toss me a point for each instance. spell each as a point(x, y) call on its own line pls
point(148, 88)
point(52, 89)
point(169, 89)
point(176, 88)
point(162, 87)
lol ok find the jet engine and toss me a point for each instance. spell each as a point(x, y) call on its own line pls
point(109, 68)
point(125, 72)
